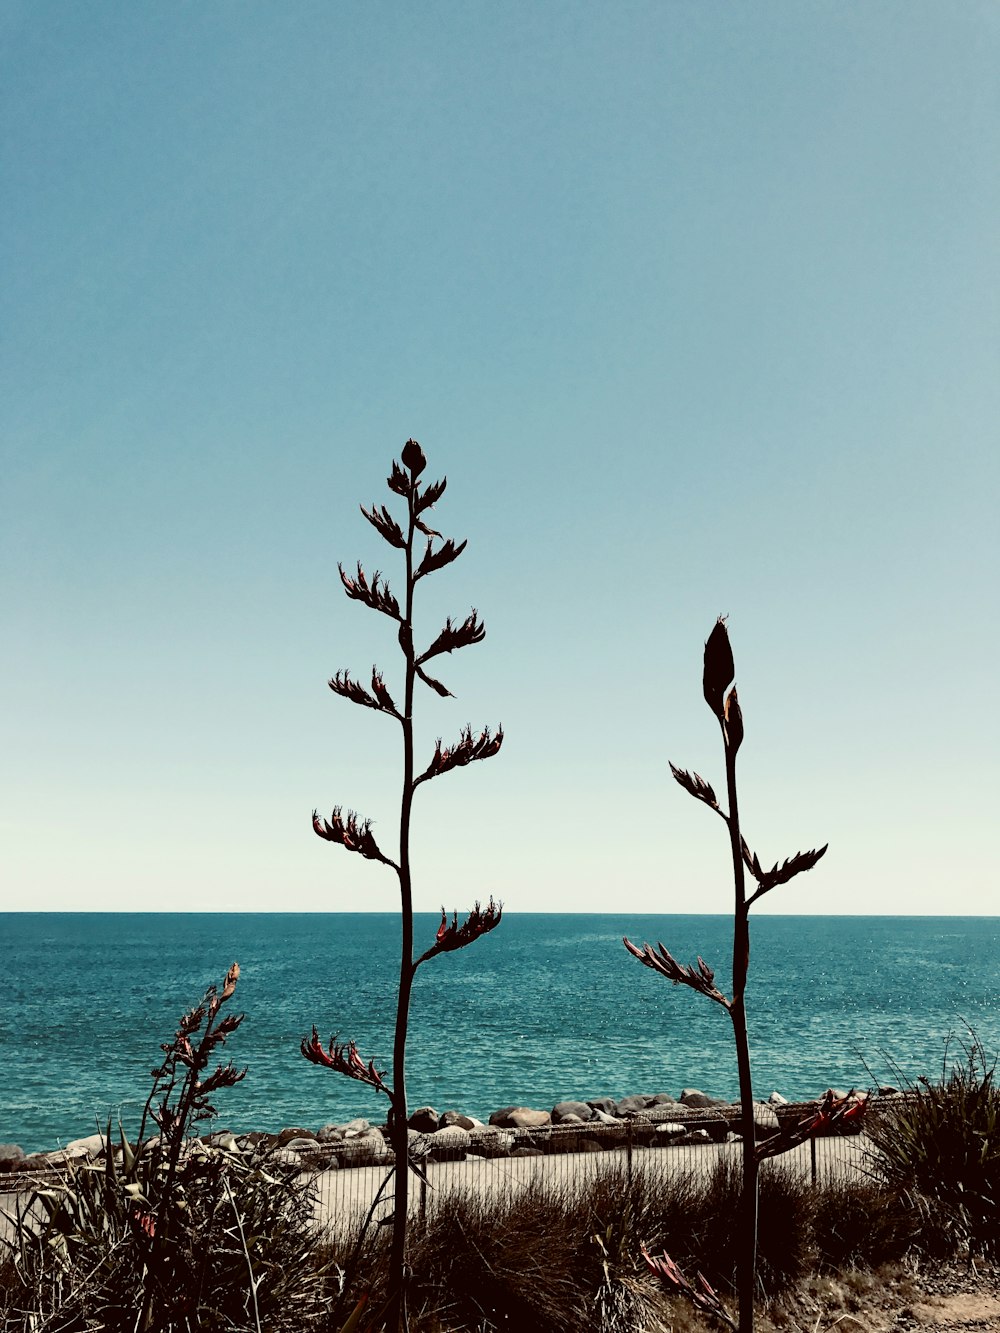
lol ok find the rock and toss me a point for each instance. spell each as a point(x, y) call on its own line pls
point(698, 1136)
point(453, 1135)
point(776, 1099)
point(285, 1157)
point(520, 1117)
point(635, 1102)
point(355, 1128)
point(696, 1099)
point(664, 1099)
point(589, 1145)
point(287, 1135)
point(603, 1118)
point(605, 1104)
point(366, 1149)
point(91, 1146)
point(574, 1113)
point(11, 1155)
point(641, 1129)
point(59, 1158)
point(425, 1119)
point(668, 1132)
point(765, 1121)
point(330, 1134)
point(450, 1118)
point(492, 1142)
point(300, 1145)
point(527, 1152)
point(449, 1144)
point(659, 1114)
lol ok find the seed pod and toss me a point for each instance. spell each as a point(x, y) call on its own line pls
point(413, 458)
point(719, 668)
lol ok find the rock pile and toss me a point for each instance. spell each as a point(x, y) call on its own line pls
point(648, 1120)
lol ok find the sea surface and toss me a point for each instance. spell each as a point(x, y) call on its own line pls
point(546, 1008)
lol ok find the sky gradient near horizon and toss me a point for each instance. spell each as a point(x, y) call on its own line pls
point(697, 305)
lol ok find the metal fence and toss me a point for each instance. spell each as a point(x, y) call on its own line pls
point(498, 1165)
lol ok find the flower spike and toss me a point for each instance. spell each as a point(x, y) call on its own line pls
point(345, 1059)
point(466, 751)
point(350, 834)
point(480, 921)
point(661, 960)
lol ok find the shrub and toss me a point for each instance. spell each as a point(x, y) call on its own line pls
point(170, 1233)
point(940, 1152)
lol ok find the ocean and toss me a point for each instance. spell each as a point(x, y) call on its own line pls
point(546, 1008)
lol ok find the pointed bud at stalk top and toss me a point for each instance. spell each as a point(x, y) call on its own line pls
point(734, 721)
point(719, 668)
point(413, 458)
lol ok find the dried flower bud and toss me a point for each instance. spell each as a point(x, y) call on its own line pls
point(345, 1059)
point(413, 458)
point(398, 481)
point(349, 833)
point(480, 921)
point(719, 668)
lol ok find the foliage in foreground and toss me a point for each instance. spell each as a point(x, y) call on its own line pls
point(168, 1232)
point(173, 1233)
point(556, 1258)
point(940, 1153)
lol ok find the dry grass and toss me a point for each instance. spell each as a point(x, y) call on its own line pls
point(556, 1259)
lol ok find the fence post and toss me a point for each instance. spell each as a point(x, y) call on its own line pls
point(423, 1193)
point(628, 1152)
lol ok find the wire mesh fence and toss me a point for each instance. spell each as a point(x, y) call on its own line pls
point(496, 1164)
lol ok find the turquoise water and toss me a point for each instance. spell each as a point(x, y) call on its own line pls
point(547, 1007)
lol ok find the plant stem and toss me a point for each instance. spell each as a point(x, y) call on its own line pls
point(746, 1258)
point(399, 1128)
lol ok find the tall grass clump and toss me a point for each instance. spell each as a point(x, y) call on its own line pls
point(168, 1232)
point(720, 695)
point(939, 1150)
point(557, 1256)
point(355, 834)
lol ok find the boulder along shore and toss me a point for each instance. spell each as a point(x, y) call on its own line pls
point(648, 1120)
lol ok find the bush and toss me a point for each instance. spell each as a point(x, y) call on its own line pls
point(239, 1253)
point(555, 1258)
point(170, 1233)
point(939, 1151)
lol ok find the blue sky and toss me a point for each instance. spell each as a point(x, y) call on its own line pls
point(698, 308)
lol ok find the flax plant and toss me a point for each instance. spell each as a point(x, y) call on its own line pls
point(720, 695)
point(355, 834)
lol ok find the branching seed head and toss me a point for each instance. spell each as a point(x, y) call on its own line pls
point(466, 751)
point(480, 921)
point(356, 837)
point(344, 1059)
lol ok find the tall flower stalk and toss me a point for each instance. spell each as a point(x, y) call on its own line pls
point(355, 834)
point(721, 697)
